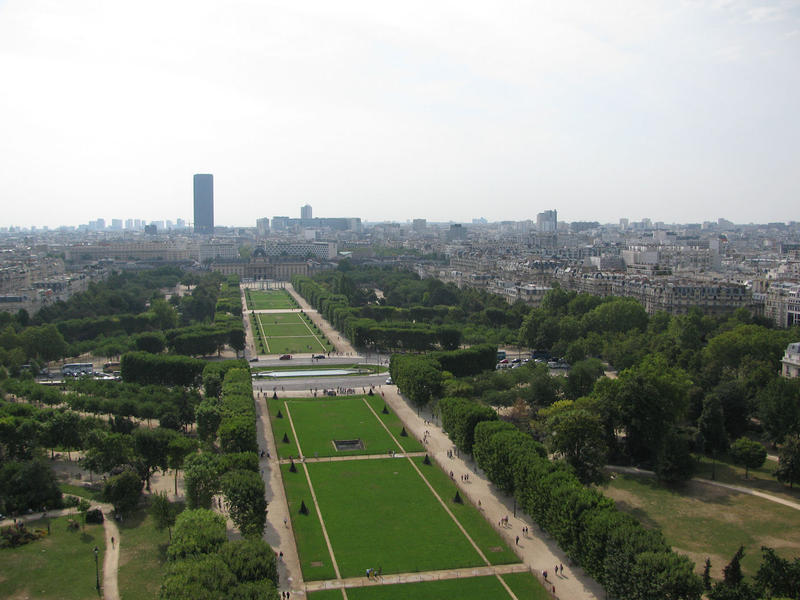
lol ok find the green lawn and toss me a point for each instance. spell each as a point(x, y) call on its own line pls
point(287, 333)
point(78, 490)
point(142, 557)
point(700, 520)
point(285, 330)
point(281, 427)
point(61, 566)
point(394, 424)
point(479, 529)
point(761, 479)
point(319, 422)
point(524, 585)
point(379, 513)
point(315, 560)
point(474, 588)
point(268, 299)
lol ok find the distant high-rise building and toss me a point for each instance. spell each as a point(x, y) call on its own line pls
point(419, 225)
point(305, 211)
point(262, 225)
point(547, 221)
point(204, 203)
point(116, 224)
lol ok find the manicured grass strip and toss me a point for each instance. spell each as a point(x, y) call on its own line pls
point(142, 554)
point(482, 533)
point(701, 520)
point(60, 566)
point(394, 424)
point(315, 560)
point(525, 585)
point(472, 588)
point(268, 299)
point(261, 342)
point(77, 490)
point(320, 422)
point(285, 330)
point(280, 427)
point(379, 513)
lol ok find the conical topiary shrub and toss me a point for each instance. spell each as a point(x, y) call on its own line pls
point(285, 438)
point(292, 467)
point(280, 414)
point(385, 410)
point(303, 508)
point(457, 498)
point(426, 460)
point(404, 433)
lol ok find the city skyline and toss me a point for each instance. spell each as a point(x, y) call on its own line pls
point(675, 112)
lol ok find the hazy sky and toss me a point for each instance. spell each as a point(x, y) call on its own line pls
point(677, 110)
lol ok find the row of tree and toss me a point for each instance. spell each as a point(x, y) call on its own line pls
point(629, 560)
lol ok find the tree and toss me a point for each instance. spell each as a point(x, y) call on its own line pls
point(779, 408)
point(578, 436)
point(150, 341)
point(674, 462)
point(123, 490)
point(204, 577)
point(178, 449)
point(151, 446)
point(163, 512)
point(250, 559)
point(749, 454)
point(197, 531)
point(27, 485)
point(107, 450)
point(201, 479)
point(712, 425)
point(788, 470)
point(777, 576)
point(245, 492)
point(581, 378)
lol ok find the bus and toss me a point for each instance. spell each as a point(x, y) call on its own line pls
point(501, 354)
point(76, 369)
point(110, 367)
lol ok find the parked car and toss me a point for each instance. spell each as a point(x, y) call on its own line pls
point(515, 360)
point(318, 356)
point(286, 357)
point(389, 381)
point(504, 361)
point(254, 359)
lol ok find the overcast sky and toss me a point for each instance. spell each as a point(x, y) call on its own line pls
point(679, 111)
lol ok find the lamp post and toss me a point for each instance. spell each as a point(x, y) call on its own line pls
point(96, 569)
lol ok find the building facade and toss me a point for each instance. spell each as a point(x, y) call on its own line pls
point(204, 203)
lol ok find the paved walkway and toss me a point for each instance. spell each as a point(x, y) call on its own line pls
point(536, 550)
point(278, 532)
point(388, 579)
point(727, 486)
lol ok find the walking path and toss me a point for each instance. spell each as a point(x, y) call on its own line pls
point(727, 486)
point(351, 582)
point(536, 550)
point(277, 533)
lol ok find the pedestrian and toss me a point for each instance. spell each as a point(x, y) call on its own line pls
point(479, 504)
point(545, 575)
point(112, 541)
point(285, 522)
point(280, 555)
point(556, 569)
point(517, 542)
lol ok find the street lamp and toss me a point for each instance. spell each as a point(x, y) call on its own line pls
point(96, 569)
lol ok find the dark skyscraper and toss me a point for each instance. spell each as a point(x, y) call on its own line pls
point(204, 204)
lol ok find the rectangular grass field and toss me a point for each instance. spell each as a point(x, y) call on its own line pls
point(288, 333)
point(380, 514)
point(268, 299)
point(319, 421)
